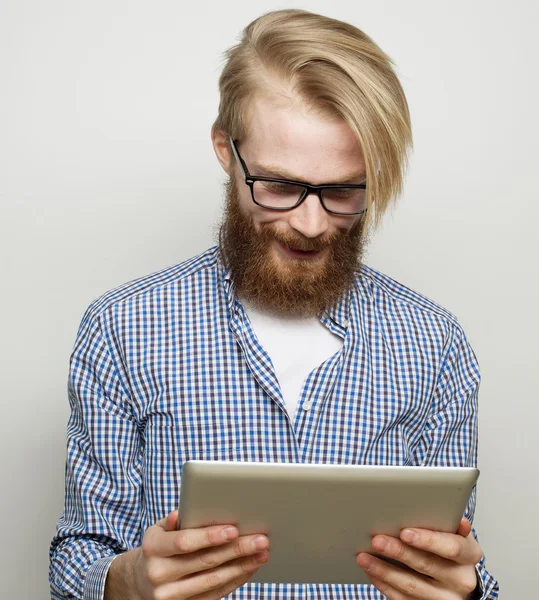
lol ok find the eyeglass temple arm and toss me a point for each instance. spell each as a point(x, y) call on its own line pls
point(242, 167)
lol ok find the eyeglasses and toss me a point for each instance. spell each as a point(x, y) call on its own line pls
point(284, 194)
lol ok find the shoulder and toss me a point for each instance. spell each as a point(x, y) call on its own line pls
point(405, 315)
point(405, 308)
point(376, 285)
point(154, 283)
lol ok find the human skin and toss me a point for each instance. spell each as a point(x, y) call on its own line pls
point(443, 564)
point(288, 141)
point(205, 563)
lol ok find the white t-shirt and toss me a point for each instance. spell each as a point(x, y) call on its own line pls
point(296, 346)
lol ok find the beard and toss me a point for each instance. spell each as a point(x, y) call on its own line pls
point(281, 284)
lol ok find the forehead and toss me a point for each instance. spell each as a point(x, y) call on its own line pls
point(290, 135)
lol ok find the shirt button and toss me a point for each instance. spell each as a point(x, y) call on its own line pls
point(307, 405)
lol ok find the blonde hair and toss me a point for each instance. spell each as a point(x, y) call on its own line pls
point(334, 67)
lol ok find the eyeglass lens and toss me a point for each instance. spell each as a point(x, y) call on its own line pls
point(286, 195)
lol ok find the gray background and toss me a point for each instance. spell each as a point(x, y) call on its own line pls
point(107, 173)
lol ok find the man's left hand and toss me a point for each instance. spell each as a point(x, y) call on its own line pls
point(443, 564)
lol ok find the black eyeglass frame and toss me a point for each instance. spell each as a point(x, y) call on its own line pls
point(308, 189)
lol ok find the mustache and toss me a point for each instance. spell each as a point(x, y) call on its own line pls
point(298, 241)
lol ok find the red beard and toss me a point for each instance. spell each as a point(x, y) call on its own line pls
point(282, 284)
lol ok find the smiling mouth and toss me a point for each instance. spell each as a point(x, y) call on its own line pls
point(301, 254)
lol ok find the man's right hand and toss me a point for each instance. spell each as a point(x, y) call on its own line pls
point(206, 563)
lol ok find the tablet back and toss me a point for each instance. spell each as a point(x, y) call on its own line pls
point(318, 517)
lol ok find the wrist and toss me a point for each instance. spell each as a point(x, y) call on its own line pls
point(120, 583)
point(477, 594)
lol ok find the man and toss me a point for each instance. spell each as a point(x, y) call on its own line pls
point(276, 346)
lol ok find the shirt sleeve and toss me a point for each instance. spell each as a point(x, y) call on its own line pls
point(101, 516)
point(450, 436)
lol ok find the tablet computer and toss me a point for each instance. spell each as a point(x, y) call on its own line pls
point(318, 517)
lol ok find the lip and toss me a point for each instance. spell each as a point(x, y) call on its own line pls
point(299, 254)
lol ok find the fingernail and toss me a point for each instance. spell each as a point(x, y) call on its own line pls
point(409, 536)
point(229, 533)
point(262, 557)
point(379, 544)
point(259, 543)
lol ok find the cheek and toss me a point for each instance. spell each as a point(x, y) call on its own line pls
point(345, 223)
point(245, 201)
point(261, 216)
point(266, 217)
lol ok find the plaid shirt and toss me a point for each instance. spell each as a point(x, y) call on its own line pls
point(167, 368)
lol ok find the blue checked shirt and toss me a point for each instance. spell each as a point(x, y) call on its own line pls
point(167, 368)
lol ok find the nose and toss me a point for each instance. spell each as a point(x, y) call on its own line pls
point(310, 218)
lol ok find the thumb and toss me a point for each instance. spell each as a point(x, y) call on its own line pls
point(465, 527)
point(170, 522)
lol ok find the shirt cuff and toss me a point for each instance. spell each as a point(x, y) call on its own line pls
point(94, 584)
point(479, 593)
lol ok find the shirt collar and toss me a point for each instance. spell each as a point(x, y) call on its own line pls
point(338, 314)
point(225, 279)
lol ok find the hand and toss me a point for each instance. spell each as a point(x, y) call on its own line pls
point(204, 563)
point(443, 564)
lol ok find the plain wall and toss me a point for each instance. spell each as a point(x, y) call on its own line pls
point(107, 173)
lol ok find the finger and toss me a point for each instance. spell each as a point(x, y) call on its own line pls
point(465, 527)
point(226, 589)
point(421, 561)
point(161, 522)
point(170, 522)
point(211, 558)
point(213, 579)
point(160, 543)
point(386, 589)
point(167, 569)
point(463, 551)
point(411, 584)
point(452, 575)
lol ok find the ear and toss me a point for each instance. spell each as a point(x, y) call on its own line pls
point(221, 146)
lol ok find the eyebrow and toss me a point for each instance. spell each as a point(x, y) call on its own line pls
point(279, 173)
